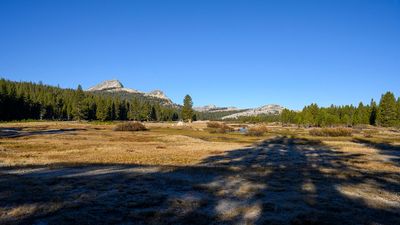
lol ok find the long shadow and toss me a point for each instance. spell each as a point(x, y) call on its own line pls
point(278, 181)
point(19, 132)
point(303, 183)
point(392, 152)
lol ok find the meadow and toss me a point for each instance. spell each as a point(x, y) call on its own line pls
point(87, 173)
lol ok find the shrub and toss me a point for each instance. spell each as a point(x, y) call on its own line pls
point(130, 126)
point(331, 132)
point(216, 127)
point(257, 130)
point(213, 124)
point(370, 133)
point(360, 126)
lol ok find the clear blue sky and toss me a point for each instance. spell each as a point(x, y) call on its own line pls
point(243, 53)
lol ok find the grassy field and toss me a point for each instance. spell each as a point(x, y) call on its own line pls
point(86, 173)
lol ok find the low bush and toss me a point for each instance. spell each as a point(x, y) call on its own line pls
point(257, 130)
point(331, 132)
point(213, 124)
point(361, 126)
point(216, 127)
point(370, 133)
point(130, 126)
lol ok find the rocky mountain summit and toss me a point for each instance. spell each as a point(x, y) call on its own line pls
point(107, 85)
point(271, 109)
point(204, 108)
point(157, 94)
point(115, 86)
point(112, 86)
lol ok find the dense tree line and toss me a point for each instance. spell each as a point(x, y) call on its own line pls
point(386, 113)
point(26, 100)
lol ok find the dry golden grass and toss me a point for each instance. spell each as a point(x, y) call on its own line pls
point(67, 173)
point(87, 143)
point(42, 143)
point(331, 132)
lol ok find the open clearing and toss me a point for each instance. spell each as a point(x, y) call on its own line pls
point(83, 173)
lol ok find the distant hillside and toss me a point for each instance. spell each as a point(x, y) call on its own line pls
point(215, 115)
point(116, 88)
point(27, 100)
point(271, 109)
point(214, 108)
point(213, 112)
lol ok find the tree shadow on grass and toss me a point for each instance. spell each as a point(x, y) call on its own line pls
point(278, 181)
point(392, 152)
point(19, 132)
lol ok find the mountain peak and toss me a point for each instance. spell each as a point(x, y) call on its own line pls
point(157, 94)
point(107, 85)
point(115, 86)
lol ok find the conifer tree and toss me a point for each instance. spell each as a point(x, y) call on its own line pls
point(102, 110)
point(387, 114)
point(153, 114)
point(112, 110)
point(361, 115)
point(374, 113)
point(175, 117)
point(194, 117)
point(187, 109)
point(134, 110)
point(145, 112)
point(79, 107)
point(398, 111)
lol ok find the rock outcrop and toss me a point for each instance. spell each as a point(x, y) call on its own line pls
point(112, 86)
point(214, 108)
point(271, 109)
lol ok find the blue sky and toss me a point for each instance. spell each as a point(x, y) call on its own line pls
point(243, 53)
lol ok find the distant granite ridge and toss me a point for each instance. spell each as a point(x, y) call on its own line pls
point(270, 109)
point(214, 108)
point(114, 86)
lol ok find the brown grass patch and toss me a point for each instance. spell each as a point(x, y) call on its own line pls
point(240, 183)
point(331, 132)
point(99, 144)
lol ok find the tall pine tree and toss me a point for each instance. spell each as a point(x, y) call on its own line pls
point(79, 109)
point(187, 109)
point(398, 112)
point(374, 113)
point(387, 110)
